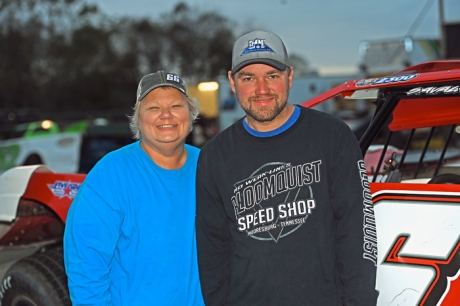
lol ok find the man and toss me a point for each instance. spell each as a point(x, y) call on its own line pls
point(280, 205)
point(130, 232)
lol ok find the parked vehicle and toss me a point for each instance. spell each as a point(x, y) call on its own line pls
point(415, 188)
point(415, 194)
point(74, 148)
point(33, 207)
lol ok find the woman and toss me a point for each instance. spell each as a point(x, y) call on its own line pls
point(129, 237)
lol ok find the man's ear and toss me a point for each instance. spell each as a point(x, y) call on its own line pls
point(291, 76)
point(232, 82)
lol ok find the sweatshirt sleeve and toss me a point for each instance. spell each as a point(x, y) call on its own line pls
point(90, 237)
point(212, 236)
point(356, 238)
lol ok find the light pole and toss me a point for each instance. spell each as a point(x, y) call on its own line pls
point(442, 42)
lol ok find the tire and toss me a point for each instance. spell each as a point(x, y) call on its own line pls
point(37, 280)
point(446, 178)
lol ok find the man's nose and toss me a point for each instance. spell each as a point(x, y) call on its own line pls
point(262, 87)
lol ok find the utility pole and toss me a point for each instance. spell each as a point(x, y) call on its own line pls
point(442, 42)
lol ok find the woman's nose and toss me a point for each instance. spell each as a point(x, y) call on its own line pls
point(165, 112)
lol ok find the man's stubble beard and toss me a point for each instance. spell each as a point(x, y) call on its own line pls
point(264, 116)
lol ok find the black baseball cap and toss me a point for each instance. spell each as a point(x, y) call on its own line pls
point(160, 79)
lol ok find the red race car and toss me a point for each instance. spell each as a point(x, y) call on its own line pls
point(416, 188)
point(33, 207)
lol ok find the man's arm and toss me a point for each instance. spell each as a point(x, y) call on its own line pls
point(90, 237)
point(212, 236)
point(356, 240)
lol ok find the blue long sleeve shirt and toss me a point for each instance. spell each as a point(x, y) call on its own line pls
point(130, 235)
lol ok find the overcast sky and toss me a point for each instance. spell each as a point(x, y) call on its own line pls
point(324, 32)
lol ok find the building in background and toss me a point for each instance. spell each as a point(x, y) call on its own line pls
point(383, 57)
point(451, 33)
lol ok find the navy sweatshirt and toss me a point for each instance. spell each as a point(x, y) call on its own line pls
point(286, 219)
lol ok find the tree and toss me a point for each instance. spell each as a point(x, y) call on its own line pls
point(67, 56)
point(200, 44)
point(34, 35)
point(301, 66)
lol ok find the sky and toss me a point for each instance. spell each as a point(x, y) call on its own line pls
point(326, 33)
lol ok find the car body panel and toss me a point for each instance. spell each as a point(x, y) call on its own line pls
point(57, 190)
point(59, 151)
point(418, 243)
point(13, 184)
point(33, 205)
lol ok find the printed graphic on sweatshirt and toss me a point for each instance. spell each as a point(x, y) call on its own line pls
point(369, 228)
point(287, 189)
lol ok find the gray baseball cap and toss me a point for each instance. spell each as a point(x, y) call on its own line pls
point(160, 79)
point(259, 47)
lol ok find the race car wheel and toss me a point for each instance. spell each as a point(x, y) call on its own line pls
point(37, 280)
point(445, 178)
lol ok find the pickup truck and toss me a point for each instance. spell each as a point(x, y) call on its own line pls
point(415, 195)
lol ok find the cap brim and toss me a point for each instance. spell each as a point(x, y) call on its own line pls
point(275, 64)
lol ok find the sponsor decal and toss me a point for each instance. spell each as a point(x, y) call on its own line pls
point(434, 91)
point(8, 156)
point(257, 45)
point(419, 236)
point(446, 277)
point(64, 189)
point(66, 142)
point(387, 80)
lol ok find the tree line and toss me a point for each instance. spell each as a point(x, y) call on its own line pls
point(67, 55)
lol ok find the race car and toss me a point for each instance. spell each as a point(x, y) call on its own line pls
point(415, 189)
point(71, 148)
point(415, 195)
point(33, 207)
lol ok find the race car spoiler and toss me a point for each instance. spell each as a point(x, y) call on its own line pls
point(417, 75)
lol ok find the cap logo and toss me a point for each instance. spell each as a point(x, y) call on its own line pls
point(172, 77)
point(257, 45)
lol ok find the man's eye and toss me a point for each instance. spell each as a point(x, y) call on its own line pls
point(154, 108)
point(177, 105)
point(273, 76)
point(247, 79)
